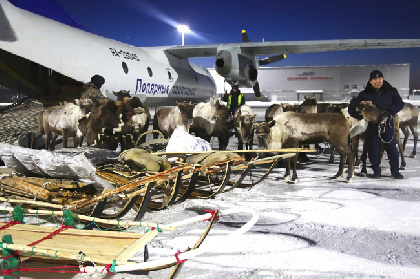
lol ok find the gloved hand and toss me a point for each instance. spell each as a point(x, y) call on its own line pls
point(384, 115)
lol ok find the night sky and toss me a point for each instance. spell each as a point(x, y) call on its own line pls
point(151, 23)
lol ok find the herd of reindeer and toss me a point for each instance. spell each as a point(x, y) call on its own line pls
point(123, 122)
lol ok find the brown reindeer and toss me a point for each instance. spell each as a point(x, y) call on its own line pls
point(244, 120)
point(62, 120)
point(408, 119)
point(309, 105)
point(98, 127)
point(272, 111)
point(372, 114)
point(212, 119)
point(293, 129)
point(167, 119)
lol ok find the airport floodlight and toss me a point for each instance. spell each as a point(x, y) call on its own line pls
point(183, 29)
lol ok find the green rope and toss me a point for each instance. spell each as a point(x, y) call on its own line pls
point(38, 220)
point(112, 268)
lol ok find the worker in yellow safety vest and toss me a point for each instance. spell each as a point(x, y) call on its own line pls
point(234, 100)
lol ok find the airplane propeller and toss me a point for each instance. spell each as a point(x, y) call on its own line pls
point(253, 69)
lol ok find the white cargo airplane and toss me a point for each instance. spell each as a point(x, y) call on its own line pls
point(50, 61)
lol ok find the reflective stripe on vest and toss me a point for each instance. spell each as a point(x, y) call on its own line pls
point(229, 102)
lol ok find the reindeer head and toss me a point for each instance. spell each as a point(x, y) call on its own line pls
point(309, 105)
point(369, 111)
point(121, 94)
point(263, 131)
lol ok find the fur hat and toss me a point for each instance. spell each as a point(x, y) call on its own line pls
point(97, 80)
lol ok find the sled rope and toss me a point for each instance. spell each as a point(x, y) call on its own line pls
point(9, 224)
point(51, 235)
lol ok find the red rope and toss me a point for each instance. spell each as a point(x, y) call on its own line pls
point(177, 257)
point(9, 224)
point(8, 272)
point(107, 267)
point(212, 212)
point(40, 269)
point(50, 236)
point(15, 253)
point(51, 269)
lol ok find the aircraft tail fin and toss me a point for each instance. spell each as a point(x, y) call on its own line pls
point(49, 9)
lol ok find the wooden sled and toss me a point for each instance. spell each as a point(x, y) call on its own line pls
point(144, 190)
point(92, 251)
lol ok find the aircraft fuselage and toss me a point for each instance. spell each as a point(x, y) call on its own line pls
point(47, 60)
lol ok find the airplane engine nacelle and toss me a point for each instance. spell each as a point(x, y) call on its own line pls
point(236, 68)
point(224, 62)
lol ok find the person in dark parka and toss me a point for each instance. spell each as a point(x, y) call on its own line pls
point(388, 100)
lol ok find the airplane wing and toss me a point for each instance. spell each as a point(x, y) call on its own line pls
point(287, 47)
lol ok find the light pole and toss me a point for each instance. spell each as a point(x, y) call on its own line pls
point(183, 29)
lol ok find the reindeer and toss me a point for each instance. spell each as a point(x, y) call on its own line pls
point(62, 120)
point(408, 119)
point(244, 120)
point(212, 119)
point(372, 114)
point(292, 129)
point(167, 119)
point(272, 111)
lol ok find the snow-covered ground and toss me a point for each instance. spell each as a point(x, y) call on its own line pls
point(318, 228)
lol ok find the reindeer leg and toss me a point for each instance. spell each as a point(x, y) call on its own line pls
point(294, 177)
point(401, 150)
point(363, 158)
point(65, 137)
point(76, 141)
point(35, 137)
point(240, 144)
point(287, 173)
point(331, 160)
point(406, 133)
point(53, 140)
point(350, 168)
point(341, 167)
point(355, 150)
point(48, 145)
point(413, 128)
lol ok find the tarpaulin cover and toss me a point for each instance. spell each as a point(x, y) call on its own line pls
point(64, 164)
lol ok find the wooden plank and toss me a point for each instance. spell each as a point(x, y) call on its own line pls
point(282, 150)
point(136, 246)
point(101, 246)
point(80, 233)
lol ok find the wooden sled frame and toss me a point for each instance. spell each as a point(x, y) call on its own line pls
point(149, 191)
point(120, 262)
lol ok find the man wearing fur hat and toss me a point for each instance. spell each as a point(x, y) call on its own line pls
point(234, 100)
point(388, 100)
point(91, 90)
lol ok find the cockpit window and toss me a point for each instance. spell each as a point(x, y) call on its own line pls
point(170, 76)
point(149, 70)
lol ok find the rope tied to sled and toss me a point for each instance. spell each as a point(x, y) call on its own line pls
point(51, 235)
point(9, 224)
point(53, 269)
point(177, 257)
point(110, 268)
point(8, 272)
point(212, 212)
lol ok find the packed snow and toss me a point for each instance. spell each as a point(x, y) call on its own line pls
point(318, 228)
